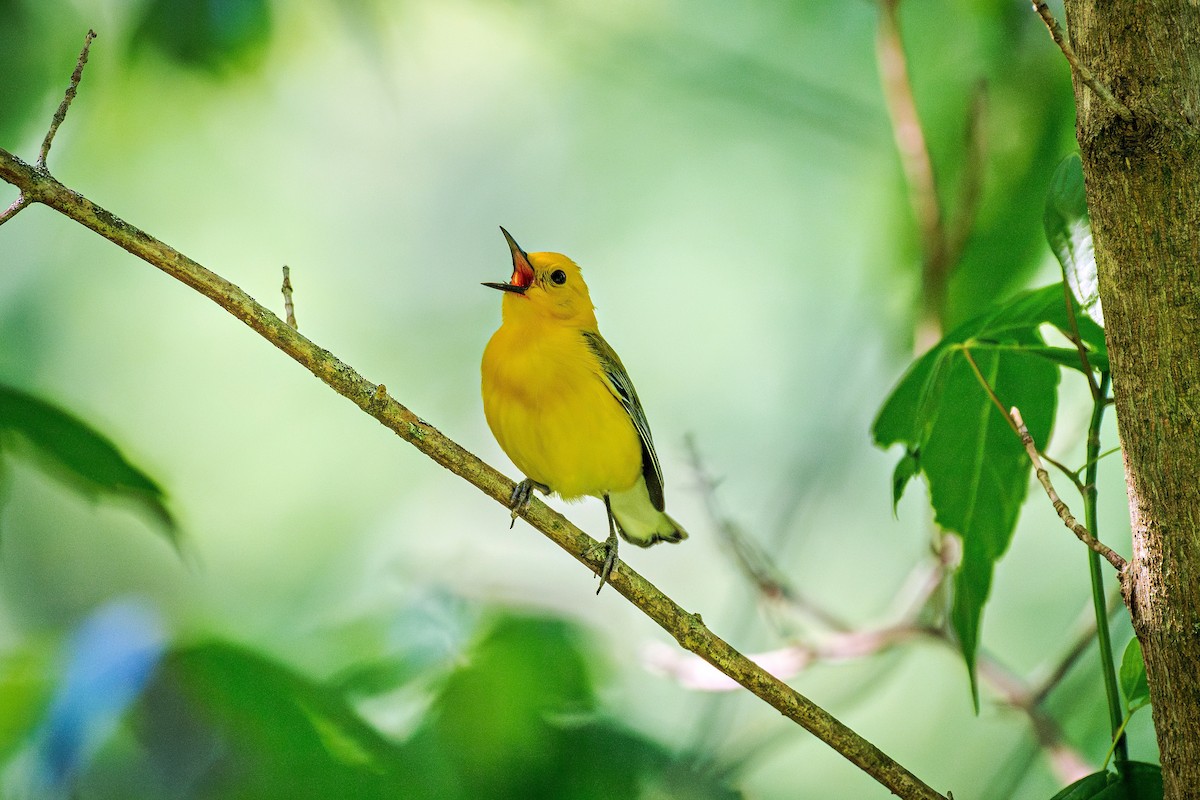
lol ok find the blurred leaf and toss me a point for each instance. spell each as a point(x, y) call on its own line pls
point(495, 715)
point(25, 687)
point(1136, 781)
point(518, 720)
point(206, 34)
point(1069, 231)
point(84, 456)
point(1133, 676)
point(283, 735)
point(429, 632)
point(975, 466)
point(110, 658)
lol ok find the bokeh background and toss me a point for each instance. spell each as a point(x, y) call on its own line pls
point(727, 177)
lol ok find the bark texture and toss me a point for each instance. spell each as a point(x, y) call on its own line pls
point(1143, 189)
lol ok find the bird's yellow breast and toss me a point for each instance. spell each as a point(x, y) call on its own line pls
point(549, 407)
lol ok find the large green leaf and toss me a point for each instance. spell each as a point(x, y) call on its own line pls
point(955, 436)
point(80, 454)
point(1069, 231)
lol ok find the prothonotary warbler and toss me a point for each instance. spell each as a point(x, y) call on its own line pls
point(561, 405)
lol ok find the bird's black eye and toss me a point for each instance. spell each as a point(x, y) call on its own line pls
point(558, 277)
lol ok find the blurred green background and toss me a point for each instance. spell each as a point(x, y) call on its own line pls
point(727, 178)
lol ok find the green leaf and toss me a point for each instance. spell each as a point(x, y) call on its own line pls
point(1085, 788)
point(80, 454)
point(1133, 676)
point(975, 466)
point(1069, 231)
point(906, 469)
point(1138, 781)
point(1135, 781)
point(978, 471)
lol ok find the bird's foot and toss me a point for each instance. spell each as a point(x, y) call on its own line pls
point(518, 501)
point(607, 549)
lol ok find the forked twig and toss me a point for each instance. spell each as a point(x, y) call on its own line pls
point(1064, 513)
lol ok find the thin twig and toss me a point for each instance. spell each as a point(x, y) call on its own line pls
point(17, 206)
point(1086, 75)
point(751, 558)
point(61, 113)
point(688, 629)
point(289, 309)
point(1064, 513)
point(918, 169)
point(1072, 476)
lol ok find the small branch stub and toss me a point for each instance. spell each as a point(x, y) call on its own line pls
point(72, 89)
point(17, 206)
point(289, 308)
point(1060, 507)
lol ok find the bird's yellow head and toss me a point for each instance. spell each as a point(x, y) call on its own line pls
point(545, 285)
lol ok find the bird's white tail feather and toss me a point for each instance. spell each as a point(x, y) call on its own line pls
point(639, 522)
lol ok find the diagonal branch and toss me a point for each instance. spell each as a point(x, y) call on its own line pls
point(688, 629)
point(1064, 513)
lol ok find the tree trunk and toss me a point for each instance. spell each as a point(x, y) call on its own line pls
point(1143, 190)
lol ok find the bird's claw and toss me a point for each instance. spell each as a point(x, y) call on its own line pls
point(518, 501)
point(609, 549)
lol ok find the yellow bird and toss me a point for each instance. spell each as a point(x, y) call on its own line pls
point(559, 402)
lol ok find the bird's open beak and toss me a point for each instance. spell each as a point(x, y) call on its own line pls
point(522, 276)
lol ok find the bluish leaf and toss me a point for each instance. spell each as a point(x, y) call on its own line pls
point(110, 658)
